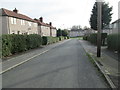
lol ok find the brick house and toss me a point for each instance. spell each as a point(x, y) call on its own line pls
point(15, 23)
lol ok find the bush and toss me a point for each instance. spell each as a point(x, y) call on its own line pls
point(17, 43)
point(68, 37)
point(33, 41)
point(113, 42)
point(61, 38)
point(6, 45)
point(93, 38)
point(85, 37)
point(49, 40)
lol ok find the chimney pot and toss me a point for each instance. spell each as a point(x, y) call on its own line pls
point(41, 19)
point(50, 23)
point(15, 10)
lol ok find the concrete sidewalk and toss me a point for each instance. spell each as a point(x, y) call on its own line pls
point(108, 64)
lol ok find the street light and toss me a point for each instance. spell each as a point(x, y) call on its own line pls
point(99, 23)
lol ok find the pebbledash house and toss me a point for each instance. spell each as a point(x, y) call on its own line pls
point(15, 23)
point(45, 29)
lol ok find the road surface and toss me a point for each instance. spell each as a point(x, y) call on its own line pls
point(65, 66)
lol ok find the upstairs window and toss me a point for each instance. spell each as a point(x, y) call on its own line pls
point(29, 23)
point(13, 20)
point(35, 24)
point(22, 22)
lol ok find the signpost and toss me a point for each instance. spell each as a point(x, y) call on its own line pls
point(99, 23)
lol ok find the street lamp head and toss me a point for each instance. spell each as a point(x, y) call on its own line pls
point(99, 0)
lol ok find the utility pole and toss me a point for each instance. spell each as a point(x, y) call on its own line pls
point(99, 23)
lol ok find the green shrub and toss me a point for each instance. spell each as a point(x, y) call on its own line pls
point(6, 45)
point(93, 38)
point(61, 38)
point(68, 37)
point(33, 41)
point(18, 43)
point(85, 37)
point(49, 40)
point(113, 42)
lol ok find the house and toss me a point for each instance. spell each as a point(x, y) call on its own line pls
point(112, 28)
point(53, 30)
point(115, 26)
point(45, 29)
point(76, 33)
point(15, 23)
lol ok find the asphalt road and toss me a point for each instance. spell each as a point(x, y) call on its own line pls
point(65, 66)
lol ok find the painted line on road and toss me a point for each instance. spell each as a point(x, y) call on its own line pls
point(23, 62)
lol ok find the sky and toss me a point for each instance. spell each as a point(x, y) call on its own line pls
point(62, 13)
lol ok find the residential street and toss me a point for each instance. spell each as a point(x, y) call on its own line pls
point(64, 66)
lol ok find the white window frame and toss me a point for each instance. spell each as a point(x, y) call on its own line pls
point(13, 20)
point(22, 22)
point(35, 24)
point(29, 23)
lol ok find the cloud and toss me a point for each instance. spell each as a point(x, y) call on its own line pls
point(67, 12)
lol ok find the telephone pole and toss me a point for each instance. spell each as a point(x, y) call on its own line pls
point(99, 23)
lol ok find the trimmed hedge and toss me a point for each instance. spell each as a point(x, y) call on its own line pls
point(113, 42)
point(17, 43)
point(85, 37)
point(61, 38)
point(93, 38)
point(49, 40)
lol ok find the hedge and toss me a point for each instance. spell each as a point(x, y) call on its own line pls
point(61, 38)
point(85, 37)
point(113, 41)
point(93, 38)
point(17, 43)
point(49, 40)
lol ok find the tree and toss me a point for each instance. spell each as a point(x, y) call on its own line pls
point(106, 15)
point(64, 33)
point(76, 27)
point(86, 28)
point(59, 32)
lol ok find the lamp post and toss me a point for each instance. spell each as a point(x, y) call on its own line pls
point(99, 23)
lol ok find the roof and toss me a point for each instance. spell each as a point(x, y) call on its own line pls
point(9, 13)
point(44, 24)
point(116, 21)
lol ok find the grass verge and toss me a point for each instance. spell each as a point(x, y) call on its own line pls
point(97, 69)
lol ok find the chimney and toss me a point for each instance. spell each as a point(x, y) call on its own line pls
point(50, 23)
point(41, 19)
point(15, 10)
point(35, 19)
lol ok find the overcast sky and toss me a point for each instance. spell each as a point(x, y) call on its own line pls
point(62, 13)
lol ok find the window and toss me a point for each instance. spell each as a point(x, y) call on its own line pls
point(22, 22)
point(35, 24)
point(29, 23)
point(13, 20)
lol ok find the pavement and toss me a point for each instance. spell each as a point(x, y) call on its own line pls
point(108, 62)
point(63, 65)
